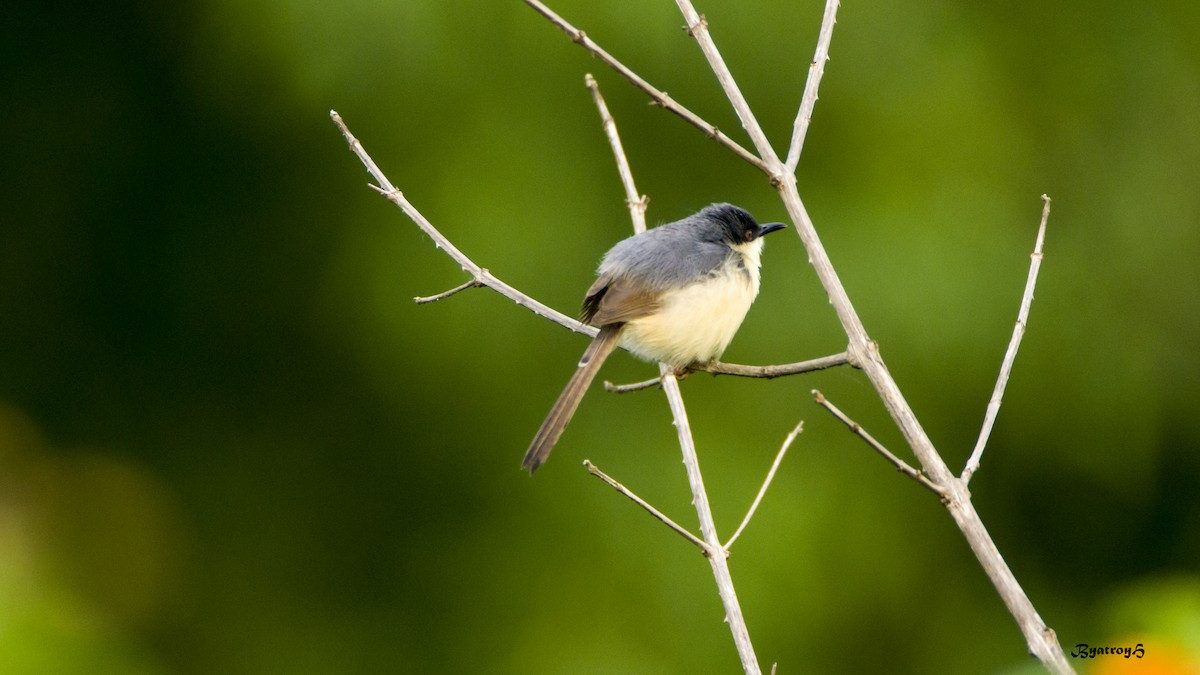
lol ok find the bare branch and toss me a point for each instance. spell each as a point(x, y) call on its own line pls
point(739, 370)
point(708, 527)
point(993, 408)
point(632, 386)
point(592, 469)
point(782, 370)
point(900, 464)
point(697, 27)
point(660, 97)
point(815, 71)
point(787, 443)
point(637, 203)
point(445, 294)
point(479, 275)
point(864, 352)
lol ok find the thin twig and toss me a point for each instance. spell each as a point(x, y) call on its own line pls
point(632, 386)
point(445, 294)
point(782, 370)
point(787, 443)
point(900, 464)
point(697, 27)
point(478, 274)
point(660, 97)
point(815, 71)
point(637, 203)
point(739, 370)
point(993, 408)
point(592, 469)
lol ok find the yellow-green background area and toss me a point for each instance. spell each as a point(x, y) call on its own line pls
point(231, 443)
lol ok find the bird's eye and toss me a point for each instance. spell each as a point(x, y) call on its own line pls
point(749, 234)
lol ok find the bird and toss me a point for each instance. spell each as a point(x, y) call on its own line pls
point(674, 294)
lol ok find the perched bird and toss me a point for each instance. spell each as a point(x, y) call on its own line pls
point(675, 294)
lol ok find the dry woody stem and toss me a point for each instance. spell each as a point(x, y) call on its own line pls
point(739, 370)
point(815, 71)
point(787, 443)
point(708, 527)
point(993, 408)
point(659, 97)
point(592, 469)
point(855, 427)
point(480, 276)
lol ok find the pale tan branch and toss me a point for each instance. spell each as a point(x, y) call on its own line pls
point(445, 294)
point(697, 27)
point(659, 97)
point(708, 528)
point(864, 352)
point(901, 466)
point(637, 203)
point(815, 71)
point(739, 370)
point(787, 443)
point(479, 275)
point(1014, 343)
point(613, 388)
point(595, 471)
point(781, 370)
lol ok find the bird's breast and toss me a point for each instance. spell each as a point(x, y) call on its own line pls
point(696, 322)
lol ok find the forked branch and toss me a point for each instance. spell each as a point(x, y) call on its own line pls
point(697, 27)
point(715, 553)
point(863, 350)
point(479, 275)
point(659, 97)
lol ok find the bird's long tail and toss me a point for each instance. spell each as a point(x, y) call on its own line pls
point(564, 408)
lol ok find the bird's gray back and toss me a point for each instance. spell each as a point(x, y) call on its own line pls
point(668, 256)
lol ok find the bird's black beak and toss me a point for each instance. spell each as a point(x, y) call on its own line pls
point(769, 228)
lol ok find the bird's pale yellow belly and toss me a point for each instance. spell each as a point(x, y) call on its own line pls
point(696, 323)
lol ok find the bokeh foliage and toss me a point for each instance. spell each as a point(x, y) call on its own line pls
point(229, 442)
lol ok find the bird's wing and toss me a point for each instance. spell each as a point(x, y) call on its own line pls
point(612, 300)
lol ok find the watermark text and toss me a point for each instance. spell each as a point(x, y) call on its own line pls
point(1085, 651)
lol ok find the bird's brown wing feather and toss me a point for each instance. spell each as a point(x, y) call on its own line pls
point(611, 301)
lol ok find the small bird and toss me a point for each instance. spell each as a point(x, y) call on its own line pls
point(675, 294)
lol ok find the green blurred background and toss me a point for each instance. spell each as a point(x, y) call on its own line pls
point(230, 442)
